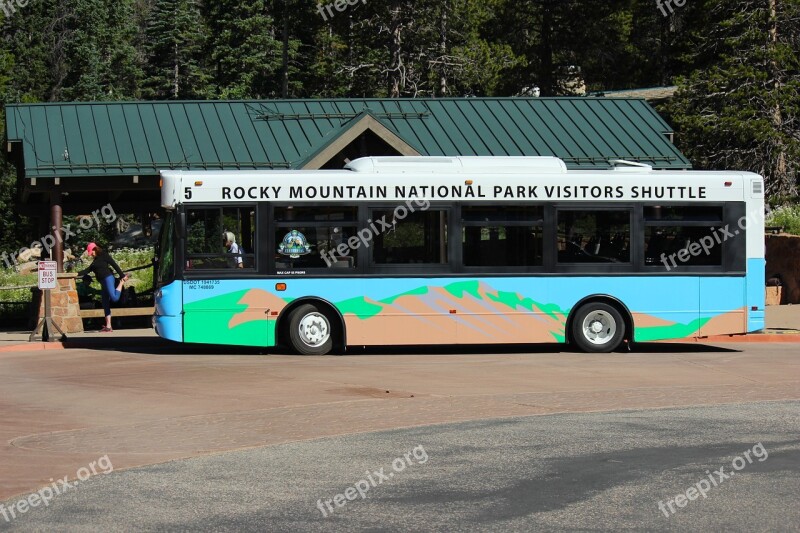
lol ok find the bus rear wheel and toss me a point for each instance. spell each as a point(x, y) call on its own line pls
point(597, 327)
point(310, 331)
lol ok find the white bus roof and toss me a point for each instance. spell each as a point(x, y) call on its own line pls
point(477, 179)
point(458, 165)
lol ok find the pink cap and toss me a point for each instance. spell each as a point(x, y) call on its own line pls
point(89, 247)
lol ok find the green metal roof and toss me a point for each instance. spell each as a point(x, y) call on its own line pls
point(141, 138)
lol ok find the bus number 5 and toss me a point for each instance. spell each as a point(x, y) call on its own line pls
point(187, 193)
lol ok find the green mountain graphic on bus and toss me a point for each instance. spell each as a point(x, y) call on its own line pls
point(482, 314)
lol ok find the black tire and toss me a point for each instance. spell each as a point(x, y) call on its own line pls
point(597, 328)
point(310, 331)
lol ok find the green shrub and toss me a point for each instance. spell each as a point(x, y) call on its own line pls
point(127, 258)
point(787, 216)
point(10, 278)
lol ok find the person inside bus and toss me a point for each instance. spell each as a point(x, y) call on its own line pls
point(101, 266)
point(229, 241)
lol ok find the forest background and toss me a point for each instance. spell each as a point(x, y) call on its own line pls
point(736, 62)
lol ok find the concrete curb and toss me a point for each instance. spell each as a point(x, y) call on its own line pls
point(33, 346)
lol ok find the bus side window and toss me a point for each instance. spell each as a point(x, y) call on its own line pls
point(204, 247)
point(343, 262)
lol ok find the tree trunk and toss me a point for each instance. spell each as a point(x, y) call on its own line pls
point(443, 51)
point(546, 80)
point(395, 51)
point(783, 183)
point(285, 76)
point(59, 69)
point(175, 74)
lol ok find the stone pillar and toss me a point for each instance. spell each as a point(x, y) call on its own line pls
point(65, 310)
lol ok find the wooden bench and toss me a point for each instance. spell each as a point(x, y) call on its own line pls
point(118, 311)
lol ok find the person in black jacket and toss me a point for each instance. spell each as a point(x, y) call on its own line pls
point(101, 267)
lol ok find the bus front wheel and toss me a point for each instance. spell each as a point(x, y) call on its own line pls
point(598, 327)
point(310, 331)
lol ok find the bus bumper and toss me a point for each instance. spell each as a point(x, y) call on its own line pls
point(755, 298)
point(169, 327)
point(756, 321)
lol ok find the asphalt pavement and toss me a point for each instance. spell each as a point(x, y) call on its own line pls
point(588, 471)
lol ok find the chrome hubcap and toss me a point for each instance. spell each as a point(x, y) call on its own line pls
point(314, 329)
point(599, 327)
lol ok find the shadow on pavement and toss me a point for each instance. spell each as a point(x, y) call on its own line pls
point(680, 347)
point(479, 349)
point(155, 346)
point(158, 346)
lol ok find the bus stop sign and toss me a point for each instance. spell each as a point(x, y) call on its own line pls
point(47, 275)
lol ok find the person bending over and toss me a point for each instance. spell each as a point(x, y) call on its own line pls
point(101, 266)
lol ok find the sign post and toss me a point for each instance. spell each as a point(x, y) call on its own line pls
point(47, 281)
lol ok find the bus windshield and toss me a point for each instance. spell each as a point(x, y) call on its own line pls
point(166, 251)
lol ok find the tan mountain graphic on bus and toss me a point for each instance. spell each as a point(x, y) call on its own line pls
point(466, 312)
point(259, 303)
point(469, 312)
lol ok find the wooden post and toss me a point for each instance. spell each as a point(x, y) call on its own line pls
point(56, 220)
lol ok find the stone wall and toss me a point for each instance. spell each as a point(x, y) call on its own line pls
point(783, 257)
point(64, 307)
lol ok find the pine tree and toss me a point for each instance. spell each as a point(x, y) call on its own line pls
point(122, 66)
point(99, 46)
point(742, 111)
point(564, 42)
point(460, 57)
point(174, 43)
point(244, 52)
point(14, 229)
point(31, 40)
point(325, 57)
point(406, 48)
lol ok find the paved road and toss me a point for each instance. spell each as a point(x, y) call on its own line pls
point(597, 471)
point(59, 410)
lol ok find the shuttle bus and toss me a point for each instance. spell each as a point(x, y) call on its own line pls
point(459, 250)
